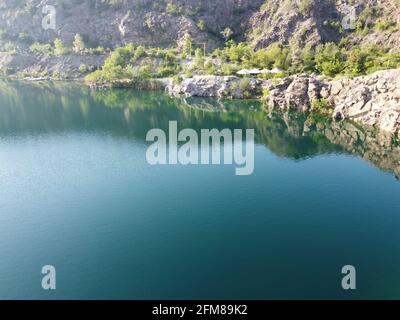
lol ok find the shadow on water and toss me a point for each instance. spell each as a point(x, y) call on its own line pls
point(28, 109)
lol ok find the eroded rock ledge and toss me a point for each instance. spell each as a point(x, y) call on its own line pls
point(373, 100)
point(219, 87)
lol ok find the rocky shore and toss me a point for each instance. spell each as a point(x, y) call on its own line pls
point(229, 87)
point(372, 100)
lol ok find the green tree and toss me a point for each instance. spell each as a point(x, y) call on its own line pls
point(202, 25)
point(227, 33)
point(329, 59)
point(305, 7)
point(59, 48)
point(79, 44)
point(187, 44)
point(199, 59)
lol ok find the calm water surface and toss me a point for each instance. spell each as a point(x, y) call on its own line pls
point(76, 192)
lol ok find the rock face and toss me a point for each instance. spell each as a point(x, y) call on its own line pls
point(280, 22)
point(214, 86)
point(109, 23)
point(66, 66)
point(373, 100)
point(301, 23)
point(297, 93)
point(162, 23)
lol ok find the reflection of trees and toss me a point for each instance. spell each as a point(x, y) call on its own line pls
point(33, 108)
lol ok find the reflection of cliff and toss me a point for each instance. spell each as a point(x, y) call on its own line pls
point(33, 109)
point(379, 148)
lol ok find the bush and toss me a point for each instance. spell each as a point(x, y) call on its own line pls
point(241, 54)
point(9, 47)
point(305, 7)
point(228, 69)
point(59, 48)
point(266, 93)
point(169, 66)
point(78, 44)
point(41, 48)
point(202, 25)
point(244, 84)
point(199, 59)
point(321, 106)
point(383, 25)
point(177, 79)
point(210, 68)
point(187, 42)
point(329, 59)
point(98, 50)
point(83, 68)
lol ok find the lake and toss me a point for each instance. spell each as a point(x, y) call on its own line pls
point(76, 192)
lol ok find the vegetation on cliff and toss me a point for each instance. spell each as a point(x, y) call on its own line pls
point(182, 38)
point(134, 63)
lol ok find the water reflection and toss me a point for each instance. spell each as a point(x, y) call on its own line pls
point(50, 107)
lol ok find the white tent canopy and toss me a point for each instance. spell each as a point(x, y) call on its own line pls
point(276, 70)
point(244, 72)
point(254, 71)
point(248, 72)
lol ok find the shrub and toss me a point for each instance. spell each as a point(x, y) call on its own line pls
point(329, 59)
point(59, 48)
point(202, 25)
point(321, 106)
point(9, 47)
point(383, 25)
point(244, 84)
point(228, 69)
point(78, 44)
point(98, 50)
point(227, 33)
point(83, 68)
point(177, 79)
point(305, 7)
point(199, 59)
point(265, 93)
point(210, 68)
point(41, 48)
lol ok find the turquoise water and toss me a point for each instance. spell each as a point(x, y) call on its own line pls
point(76, 192)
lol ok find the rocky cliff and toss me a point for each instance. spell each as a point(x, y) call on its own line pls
point(372, 100)
point(304, 22)
point(162, 23)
